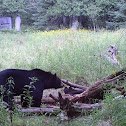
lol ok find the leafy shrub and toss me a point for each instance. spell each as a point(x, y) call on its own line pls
point(113, 111)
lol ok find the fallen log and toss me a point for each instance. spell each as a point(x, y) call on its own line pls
point(97, 90)
point(72, 91)
point(73, 109)
point(48, 100)
point(45, 100)
point(82, 108)
point(65, 96)
point(73, 85)
point(44, 110)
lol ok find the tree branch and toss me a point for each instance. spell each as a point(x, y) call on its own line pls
point(73, 85)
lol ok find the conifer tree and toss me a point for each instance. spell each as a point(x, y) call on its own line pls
point(12, 6)
point(71, 13)
point(15, 8)
point(41, 17)
point(117, 18)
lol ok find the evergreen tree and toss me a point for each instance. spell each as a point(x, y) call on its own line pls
point(68, 11)
point(117, 18)
point(58, 12)
point(13, 8)
point(42, 19)
point(71, 13)
point(97, 11)
point(92, 11)
point(10, 7)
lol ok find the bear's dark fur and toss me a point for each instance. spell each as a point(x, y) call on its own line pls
point(15, 81)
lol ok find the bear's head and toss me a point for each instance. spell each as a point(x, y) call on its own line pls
point(53, 82)
point(58, 82)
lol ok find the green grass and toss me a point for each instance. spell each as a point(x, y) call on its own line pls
point(68, 53)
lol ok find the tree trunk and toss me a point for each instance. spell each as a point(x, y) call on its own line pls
point(64, 21)
point(18, 23)
point(75, 23)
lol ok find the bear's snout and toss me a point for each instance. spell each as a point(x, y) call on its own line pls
point(62, 85)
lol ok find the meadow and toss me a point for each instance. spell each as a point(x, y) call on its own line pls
point(70, 54)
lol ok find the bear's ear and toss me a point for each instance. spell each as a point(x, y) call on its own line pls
point(55, 74)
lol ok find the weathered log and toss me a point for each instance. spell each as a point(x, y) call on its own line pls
point(82, 108)
point(48, 100)
point(73, 109)
point(96, 91)
point(56, 98)
point(45, 100)
point(72, 91)
point(43, 110)
point(111, 54)
point(73, 85)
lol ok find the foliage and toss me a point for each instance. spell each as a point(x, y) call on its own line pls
point(67, 8)
point(117, 18)
point(55, 14)
point(114, 110)
point(67, 12)
point(41, 18)
point(12, 6)
point(4, 116)
point(28, 89)
point(15, 8)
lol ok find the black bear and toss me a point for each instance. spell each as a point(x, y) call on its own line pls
point(16, 81)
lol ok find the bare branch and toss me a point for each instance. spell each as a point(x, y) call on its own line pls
point(73, 85)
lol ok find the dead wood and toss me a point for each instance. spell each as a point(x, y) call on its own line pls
point(73, 109)
point(43, 110)
point(82, 108)
point(96, 91)
point(48, 100)
point(111, 54)
point(56, 98)
point(72, 91)
point(73, 85)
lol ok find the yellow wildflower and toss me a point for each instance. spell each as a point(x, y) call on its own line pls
point(113, 72)
point(118, 57)
point(94, 42)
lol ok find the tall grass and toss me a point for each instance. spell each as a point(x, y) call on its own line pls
point(68, 53)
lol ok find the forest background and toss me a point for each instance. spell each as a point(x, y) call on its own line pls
point(60, 14)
